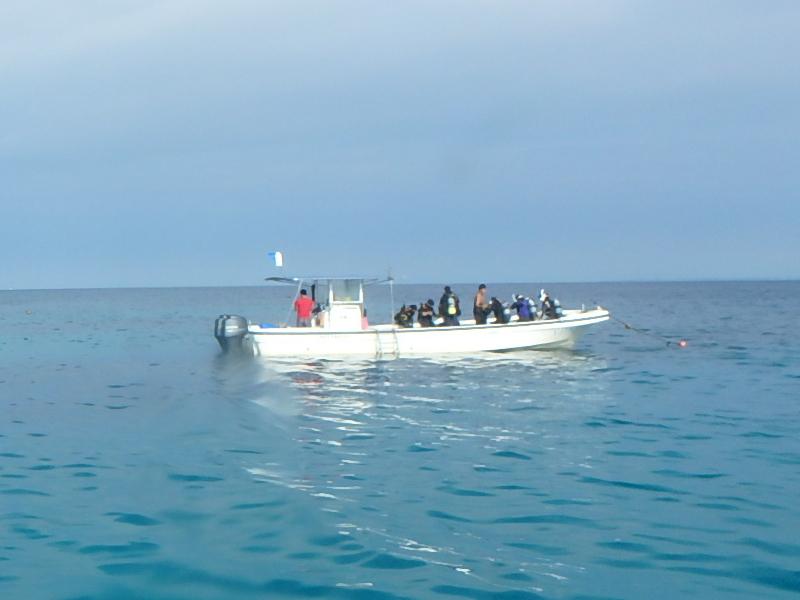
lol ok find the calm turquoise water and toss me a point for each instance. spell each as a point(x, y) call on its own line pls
point(136, 462)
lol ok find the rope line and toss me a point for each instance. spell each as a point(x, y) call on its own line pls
point(682, 343)
point(657, 336)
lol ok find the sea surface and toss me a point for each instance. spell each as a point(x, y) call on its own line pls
point(136, 461)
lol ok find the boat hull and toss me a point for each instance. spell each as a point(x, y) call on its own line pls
point(389, 341)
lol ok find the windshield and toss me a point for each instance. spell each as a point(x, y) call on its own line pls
point(346, 290)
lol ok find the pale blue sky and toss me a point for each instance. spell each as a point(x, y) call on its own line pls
point(176, 143)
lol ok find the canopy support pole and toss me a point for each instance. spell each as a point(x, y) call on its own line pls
point(391, 297)
point(291, 305)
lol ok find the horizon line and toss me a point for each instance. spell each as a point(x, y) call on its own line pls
point(570, 282)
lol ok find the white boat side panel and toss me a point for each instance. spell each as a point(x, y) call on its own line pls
point(389, 341)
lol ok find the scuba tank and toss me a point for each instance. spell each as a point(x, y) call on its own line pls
point(451, 305)
point(531, 307)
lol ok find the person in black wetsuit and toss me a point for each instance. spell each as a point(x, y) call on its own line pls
point(501, 315)
point(405, 317)
point(425, 314)
point(549, 310)
point(449, 307)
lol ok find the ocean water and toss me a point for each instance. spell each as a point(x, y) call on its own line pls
point(138, 462)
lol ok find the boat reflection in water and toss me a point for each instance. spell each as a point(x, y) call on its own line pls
point(380, 452)
point(353, 386)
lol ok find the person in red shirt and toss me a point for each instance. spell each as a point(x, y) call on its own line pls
point(303, 306)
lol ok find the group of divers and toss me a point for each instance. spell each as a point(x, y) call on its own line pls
point(482, 307)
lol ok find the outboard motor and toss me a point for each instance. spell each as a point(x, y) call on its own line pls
point(229, 331)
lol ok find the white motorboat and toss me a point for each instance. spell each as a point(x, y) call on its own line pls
point(340, 329)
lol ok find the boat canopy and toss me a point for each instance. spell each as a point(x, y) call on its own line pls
point(329, 279)
point(340, 299)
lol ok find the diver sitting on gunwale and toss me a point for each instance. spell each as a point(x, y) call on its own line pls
point(405, 316)
point(551, 309)
point(525, 307)
point(426, 314)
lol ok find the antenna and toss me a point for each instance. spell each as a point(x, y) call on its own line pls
point(390, 278)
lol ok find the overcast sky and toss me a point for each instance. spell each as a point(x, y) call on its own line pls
point(177, 142)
